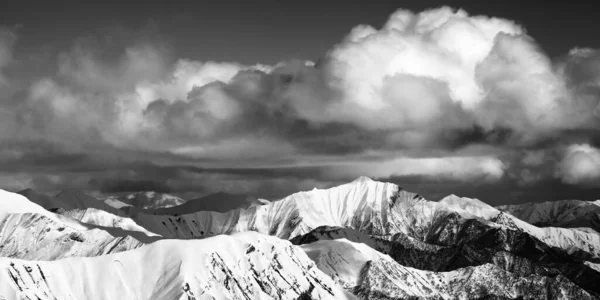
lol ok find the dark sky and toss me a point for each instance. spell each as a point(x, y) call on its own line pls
point(271, 31)
point(116, 95)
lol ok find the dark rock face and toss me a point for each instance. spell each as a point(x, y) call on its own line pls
point(510, 250)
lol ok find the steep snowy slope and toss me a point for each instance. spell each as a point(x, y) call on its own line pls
point(243, 266)
point(43, 200)
point(219, 202)
point(372, 275)
point(101, 218)
point(565, 213)
point(11, 203)
point(29, 231)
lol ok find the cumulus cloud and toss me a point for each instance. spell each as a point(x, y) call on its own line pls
point(580, 165)
point(421, 89)
point(441, 70)
point(420, 77)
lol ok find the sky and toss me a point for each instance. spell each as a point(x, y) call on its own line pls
point(494, 101)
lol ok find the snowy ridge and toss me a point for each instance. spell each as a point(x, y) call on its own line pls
point(11, 203)
point(358, 203)
point(373, 238)
point(377, 208)
point(469, 230)
point(28, 231)
point(104, 219)
point(469, 207)
point(242, 266)
point(34, 236)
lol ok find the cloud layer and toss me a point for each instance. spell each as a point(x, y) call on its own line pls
point(438, 94)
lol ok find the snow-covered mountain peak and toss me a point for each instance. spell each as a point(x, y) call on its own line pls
point(470, 207)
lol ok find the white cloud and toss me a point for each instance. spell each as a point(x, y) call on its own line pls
point(419, 76)
point(186, 75)
point(421, 79)
point(464, 168)
point(414, 69)
point(580, 165)
point(439, 70)
point(238, 150)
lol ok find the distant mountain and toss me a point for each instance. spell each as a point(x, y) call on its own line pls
point(148, 200)
point(113, 202)
point(564, 213)
point(218, 202)
point(372, 238)
point(243, 266)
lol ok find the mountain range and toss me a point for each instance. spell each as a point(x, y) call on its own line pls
point(361, 240)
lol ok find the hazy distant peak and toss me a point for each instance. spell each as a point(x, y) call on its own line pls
point(73, 193)
point(149, 200)
point(26, 191)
